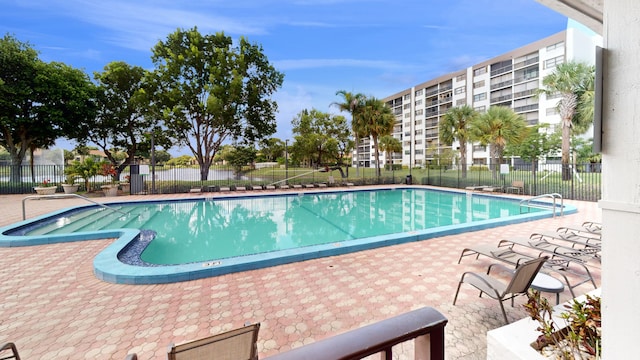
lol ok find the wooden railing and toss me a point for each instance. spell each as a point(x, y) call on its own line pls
point(425, 325)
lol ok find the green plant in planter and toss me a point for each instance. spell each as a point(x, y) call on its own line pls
point(84, 170)
point(585, 324)
point(71, 178)
point(583, 333)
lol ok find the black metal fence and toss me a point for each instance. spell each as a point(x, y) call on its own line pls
point(585, 182)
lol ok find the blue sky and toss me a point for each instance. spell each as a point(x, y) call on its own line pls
point(375, 47)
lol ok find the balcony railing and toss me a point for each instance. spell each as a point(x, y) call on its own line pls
point(526, 108)
point(501, 98)
point(501, 84)
point(425, 325)
point(525, 93)
point(501, 70)
point(526, 62)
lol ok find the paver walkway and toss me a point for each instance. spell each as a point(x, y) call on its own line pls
point(53, 307)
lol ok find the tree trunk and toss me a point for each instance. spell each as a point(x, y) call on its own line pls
point(204, 170)
point(463, 159)
point(16, 165)
point(566, 145)
point(357, 156)
point(494, 161)
point(377, 155)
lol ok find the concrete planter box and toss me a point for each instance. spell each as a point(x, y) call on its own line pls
point(69, 188)
point(110, 190)
point(49, 190)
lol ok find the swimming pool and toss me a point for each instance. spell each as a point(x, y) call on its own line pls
point(179, 240)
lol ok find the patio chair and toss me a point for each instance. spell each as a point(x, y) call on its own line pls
point(9, 347)
point(519, 283)
point(517, 186)
point(237, 344)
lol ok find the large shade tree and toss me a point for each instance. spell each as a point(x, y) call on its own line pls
point(454, 125)
point(377, 120)
point(39, 102)
point(574, 81)
point(352, 103)
point(271, 149)
point(498, 127)
point(211, 90)
point(124, 121)
point(319, 135)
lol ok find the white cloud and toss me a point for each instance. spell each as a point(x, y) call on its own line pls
point(140, 24)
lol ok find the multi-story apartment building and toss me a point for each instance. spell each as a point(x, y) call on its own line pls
point(511, 79)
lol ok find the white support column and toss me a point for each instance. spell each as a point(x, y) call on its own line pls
point(621, 180)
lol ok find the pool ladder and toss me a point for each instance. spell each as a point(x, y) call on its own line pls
point(62, 196)
point(527, 203)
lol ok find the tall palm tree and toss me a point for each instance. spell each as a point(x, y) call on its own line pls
point(377, 120)
point(572, 80)
point(497, 127)
point(455, 126)
point(390, 145)
point(352, 104)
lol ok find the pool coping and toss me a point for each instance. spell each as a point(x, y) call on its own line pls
point(109, 268)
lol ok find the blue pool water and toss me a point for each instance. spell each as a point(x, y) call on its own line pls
point(180, 240)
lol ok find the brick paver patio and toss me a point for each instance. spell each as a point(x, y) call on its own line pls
point(54, 308)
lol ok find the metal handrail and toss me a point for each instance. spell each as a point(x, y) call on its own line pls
point(554, 196)
point(425, 325)
point(62, 196)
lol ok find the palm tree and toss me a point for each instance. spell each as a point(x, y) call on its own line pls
point(455, 126)
point(574, 82)
point(352, 104)
point(497, 127)
point(390, 145)
point(377, 120)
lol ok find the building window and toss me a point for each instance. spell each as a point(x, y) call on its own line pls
point(407, 115)
point(419, 92)
point(407, 106)
point(478, 84)
point(479, 71)
point(552, 111)
point(407, 97)
point(461, 102)
point(554, 95)
point(462, 77)
point(480, 109)
point(418, 102)
point(556, 46)
point(419, 112)
point(459, 90)
point(551, 63)
point(480, 97)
